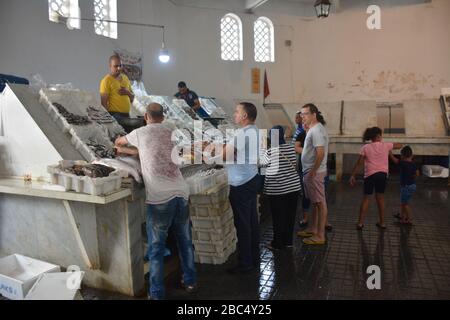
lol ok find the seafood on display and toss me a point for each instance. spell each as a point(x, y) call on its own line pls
point(100, 150)
point(70, 117)
point(90, 170)
point(98, 115)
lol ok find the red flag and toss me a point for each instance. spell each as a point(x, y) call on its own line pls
point(266, 86)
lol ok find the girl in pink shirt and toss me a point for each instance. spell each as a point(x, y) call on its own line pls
point(375, 156)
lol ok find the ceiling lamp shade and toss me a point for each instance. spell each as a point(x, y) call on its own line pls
point(322, 8)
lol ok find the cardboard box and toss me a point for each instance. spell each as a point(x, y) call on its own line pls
point(18, 274)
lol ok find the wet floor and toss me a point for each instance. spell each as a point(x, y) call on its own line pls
point(414, 261)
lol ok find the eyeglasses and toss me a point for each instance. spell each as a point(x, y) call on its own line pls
point(305, 113)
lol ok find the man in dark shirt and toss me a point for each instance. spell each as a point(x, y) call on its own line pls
point(299, 130)
point(191, 99)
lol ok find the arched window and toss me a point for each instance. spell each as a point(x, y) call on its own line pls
point(65, 8)
point(105, 10)
point(264, 40)
point(231, 37)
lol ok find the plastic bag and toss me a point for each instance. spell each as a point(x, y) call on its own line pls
point(37, 83)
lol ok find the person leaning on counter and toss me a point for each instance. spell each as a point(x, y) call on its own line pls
point(191, 99)
point(115, 90)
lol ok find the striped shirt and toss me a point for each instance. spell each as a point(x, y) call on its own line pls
point(281, 173)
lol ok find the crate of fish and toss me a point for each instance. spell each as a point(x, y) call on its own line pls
point(215, 258)
point(214, 234)
point(79, 176)
point(209, 210)
point(214, 196)
point(211, 223)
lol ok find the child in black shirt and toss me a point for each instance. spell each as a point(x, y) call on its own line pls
point(408, 173)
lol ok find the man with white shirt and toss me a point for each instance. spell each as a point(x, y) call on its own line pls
point(167, 198)
point(314, 162)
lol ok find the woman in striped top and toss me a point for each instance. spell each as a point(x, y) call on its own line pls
point(282, 187)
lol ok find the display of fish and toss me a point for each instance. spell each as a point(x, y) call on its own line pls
point(70, 117)
point(100, 150)
point(90, 170)
point(98, 115)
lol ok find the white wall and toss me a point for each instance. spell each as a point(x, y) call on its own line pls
point(330, 60)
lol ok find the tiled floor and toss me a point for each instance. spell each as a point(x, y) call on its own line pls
point(414, 261)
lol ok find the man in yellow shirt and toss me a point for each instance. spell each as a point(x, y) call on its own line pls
point(115, 90)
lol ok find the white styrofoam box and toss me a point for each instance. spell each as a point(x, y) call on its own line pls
point(200, 184)
point(56, 286)
point(209, 210)
point(222, 177)
point(435, 171)
point(83, 148)
point(215, 195)
point(217, 247)
point(18, 274)
point(214, 234)
point(209, 223)
point(77, 101)
point(214, 258)
point(92, 186)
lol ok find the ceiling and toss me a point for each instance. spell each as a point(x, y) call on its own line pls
point(293, 7)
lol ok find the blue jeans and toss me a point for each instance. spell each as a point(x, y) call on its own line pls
point(159, 218)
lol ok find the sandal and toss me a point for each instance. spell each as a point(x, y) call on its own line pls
point(313, 242)
point(380, 226)
point(305, 234)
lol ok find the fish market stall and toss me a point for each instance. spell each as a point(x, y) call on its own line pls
point(67, 199)
point(90, 221)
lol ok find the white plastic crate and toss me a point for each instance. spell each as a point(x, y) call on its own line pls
point(214, 196)
point(212, 258)
point(206, 224)
point(18, 274)
point(200, 184)
point(92, 186)
point(215, 246)
point(435, 171)
point(209, 210)
point(214, 234)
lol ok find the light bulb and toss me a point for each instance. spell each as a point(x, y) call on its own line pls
point(164, 55)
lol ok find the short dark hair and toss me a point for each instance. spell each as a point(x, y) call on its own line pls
point(114, 57)
point(406, 152)
point(181, 84)
point(250, 110)
point(155, 110)
point(313, 109)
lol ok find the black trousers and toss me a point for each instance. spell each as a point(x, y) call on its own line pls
point(243, 203)
point(284, 209)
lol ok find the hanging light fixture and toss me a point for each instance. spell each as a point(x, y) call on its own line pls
point(322, 8)
point(164, 56)
point(58, 17)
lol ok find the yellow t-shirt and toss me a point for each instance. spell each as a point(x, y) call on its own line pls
point(111, 86)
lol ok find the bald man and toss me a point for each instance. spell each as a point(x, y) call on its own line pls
point(115, 90)
point(167, 198)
